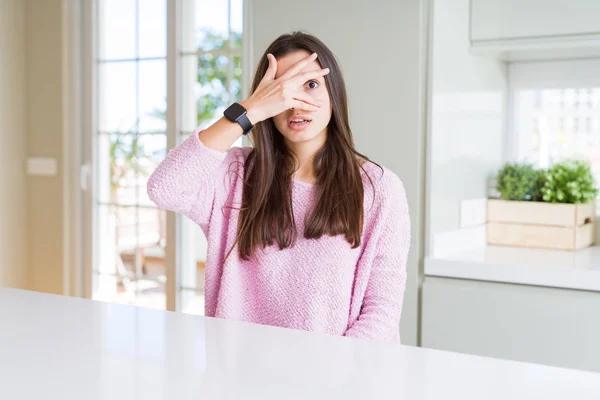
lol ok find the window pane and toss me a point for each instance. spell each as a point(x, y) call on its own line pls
point(131, 252)
point(104, 168)
point(125, 162)
point(150, 242)
point(117, 105)
point(116, 168)
point(213, 97)
point(192, 302)
point(117, 29)
point(131, 242)
point(153, 28)
point(209, 27)
point(236, 23)
point(189, 93)
point(149, 253)
point(150, 294)
point(209, 95)
point(193, 255)
point(193, 260)
point(114, 289)
point(105, 243)
point(235, 86)
point(153, 95)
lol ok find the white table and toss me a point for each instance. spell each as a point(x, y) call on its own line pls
point(54, 347)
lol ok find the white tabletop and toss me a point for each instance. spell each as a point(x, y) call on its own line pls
point(54, 347)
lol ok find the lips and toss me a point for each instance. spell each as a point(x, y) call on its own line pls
point(300, 118)
point(298, 122)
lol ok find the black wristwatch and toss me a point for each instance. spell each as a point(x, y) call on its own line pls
point(237, 113)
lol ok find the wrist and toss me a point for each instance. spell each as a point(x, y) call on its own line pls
point(251, 112)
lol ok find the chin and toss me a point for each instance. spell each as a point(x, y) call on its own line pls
point(301, 136)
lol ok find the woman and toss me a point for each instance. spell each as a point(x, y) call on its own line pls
point(303, 231)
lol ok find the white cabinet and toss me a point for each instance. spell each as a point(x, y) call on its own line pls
point(531, 19)
point(557, 327)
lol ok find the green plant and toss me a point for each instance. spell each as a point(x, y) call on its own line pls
point(569, 182)
point(522, 182)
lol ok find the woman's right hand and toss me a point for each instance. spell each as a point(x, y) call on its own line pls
point(274, 96)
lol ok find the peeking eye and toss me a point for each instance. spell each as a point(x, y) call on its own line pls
point(314, 84)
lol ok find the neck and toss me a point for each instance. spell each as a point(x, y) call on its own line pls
point(305, 153)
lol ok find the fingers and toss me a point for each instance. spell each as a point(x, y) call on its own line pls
point(306, 98)
point(299, 79)
point(299, 66)
point(301, 105)
point(272, 70)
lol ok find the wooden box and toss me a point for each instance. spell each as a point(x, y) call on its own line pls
point(542, 225)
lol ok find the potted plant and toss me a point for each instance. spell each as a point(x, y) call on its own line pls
point(520, 182)
point(552, 208)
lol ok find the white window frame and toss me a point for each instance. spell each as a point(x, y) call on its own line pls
point(73, 61)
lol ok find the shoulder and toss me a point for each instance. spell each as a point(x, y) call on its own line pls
point(381, 184)
point(238, 153)
point(386, 203)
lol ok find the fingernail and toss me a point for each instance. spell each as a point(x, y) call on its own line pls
point(314, 54)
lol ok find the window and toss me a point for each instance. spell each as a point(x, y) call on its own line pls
point(129, 233)
point(556, 112)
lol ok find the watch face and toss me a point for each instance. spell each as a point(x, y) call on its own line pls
point(234, 111)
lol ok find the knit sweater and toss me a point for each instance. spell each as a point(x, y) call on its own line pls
point(320, 285)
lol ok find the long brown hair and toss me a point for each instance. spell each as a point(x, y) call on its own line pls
point(266, 215)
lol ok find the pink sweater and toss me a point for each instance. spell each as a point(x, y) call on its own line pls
point(317, 285)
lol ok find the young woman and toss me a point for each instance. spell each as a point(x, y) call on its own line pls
point(303, 231)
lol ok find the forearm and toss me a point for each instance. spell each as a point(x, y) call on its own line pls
point(185, 176)
point(223, 134)
point(380, 315)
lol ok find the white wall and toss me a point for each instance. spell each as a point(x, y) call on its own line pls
point(45, 89)
point(381, 48)
point(13, 146)
point(468, 108)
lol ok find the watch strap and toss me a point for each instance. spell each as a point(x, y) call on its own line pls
point(245, 123)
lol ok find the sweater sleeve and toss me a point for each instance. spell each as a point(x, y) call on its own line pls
point(188, 179)
point(379, 318)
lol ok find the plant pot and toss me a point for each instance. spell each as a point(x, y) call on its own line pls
point(540, 225)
